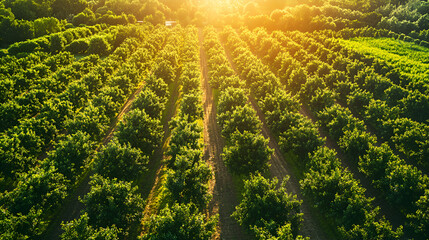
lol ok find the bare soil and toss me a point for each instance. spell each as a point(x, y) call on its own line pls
point(222, 186)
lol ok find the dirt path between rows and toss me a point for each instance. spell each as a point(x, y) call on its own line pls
point(72, 207)
point(222, 187)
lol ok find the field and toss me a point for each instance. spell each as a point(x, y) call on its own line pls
point(255, 119)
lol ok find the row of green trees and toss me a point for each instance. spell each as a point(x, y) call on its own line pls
point(359, 146)
point(185, 193)
point(300, 137)
point(54, 42)
point(267, 211)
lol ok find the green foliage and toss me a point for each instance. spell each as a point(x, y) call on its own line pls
point(187, 181)
point(71, 155)
point(411, 59)
point(78, 46)
point(44, 26)
point(151, 103)
point(165, 71)
point(297, 79)
point(279, 101)
point(58, 43)
point(141, 131)
point(404, 184)
point(355, 143)
point(241, 119)
point(302, 139)
point(265, 206)
point(121, 161)
point(20, 227)
point(158, 86)
point(373, 164)
point(64, 8)
point(79, 229)
point(112, 202)
point(337, 120)
point(247, 153)
point(322, 98)
point(229, 100)
point(184, 134)
point(334, 190)
point(180, 221)
point(99, 45)
point(86, 17)
point(191, 106)
point(419, 220)
point(38, 189)
point(91, 120)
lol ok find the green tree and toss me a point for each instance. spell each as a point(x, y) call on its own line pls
point(247, 153)
point(356, 143)
point(58, 42)
point(99, 45)
point(47, 25)
point(71, 154)
point(191, 106)
point(158, 86)
point(112, 202)
point(165, 71)
point(231, 98)
point(301, 139)
point(151, 103)
point(91, 120)
point(21, 226)
point(141, 131)
point(79, 229)
point(187, 182)
point(64, 8)
point(266, 206)
point(404, 184)
point(183, 135)
point(38, 189)
point(241, 119)
point(86, 17)
point(419, 220)
point(78, 46)
point(180, 221)
point(373, 163)
point(121, 161)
